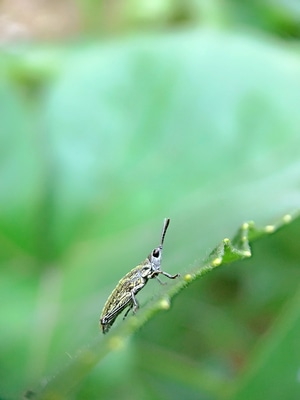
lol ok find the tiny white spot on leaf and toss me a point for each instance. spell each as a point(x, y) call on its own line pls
point(164, 304)
point(269, 228)
point(287, 218)
point(188, 277)
point(116, 343)
point(217, 261)
point(247, 253)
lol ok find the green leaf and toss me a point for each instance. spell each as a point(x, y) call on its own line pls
point(201, 126)
point(276, 359)
point(141, 127)
point(237, 249)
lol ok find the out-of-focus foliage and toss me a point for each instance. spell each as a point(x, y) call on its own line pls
point(102, 139)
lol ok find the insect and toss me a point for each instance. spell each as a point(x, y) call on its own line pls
point(123, 295)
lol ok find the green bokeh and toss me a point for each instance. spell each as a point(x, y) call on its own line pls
point(98, 143)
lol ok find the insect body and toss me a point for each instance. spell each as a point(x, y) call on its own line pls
point(123, 295)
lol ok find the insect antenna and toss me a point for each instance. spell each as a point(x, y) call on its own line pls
point(165, 227)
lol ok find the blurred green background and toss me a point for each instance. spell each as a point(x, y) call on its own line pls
point(114, 115)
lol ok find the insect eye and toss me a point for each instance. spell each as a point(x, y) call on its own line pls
point(156, 253)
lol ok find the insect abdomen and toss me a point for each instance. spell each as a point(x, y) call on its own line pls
point(121, 297)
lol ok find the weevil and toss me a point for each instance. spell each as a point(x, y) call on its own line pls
point(123, 295)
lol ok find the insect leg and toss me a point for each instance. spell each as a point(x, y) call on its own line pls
point(169, 276)
point(129, 308)
point(135, 303)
